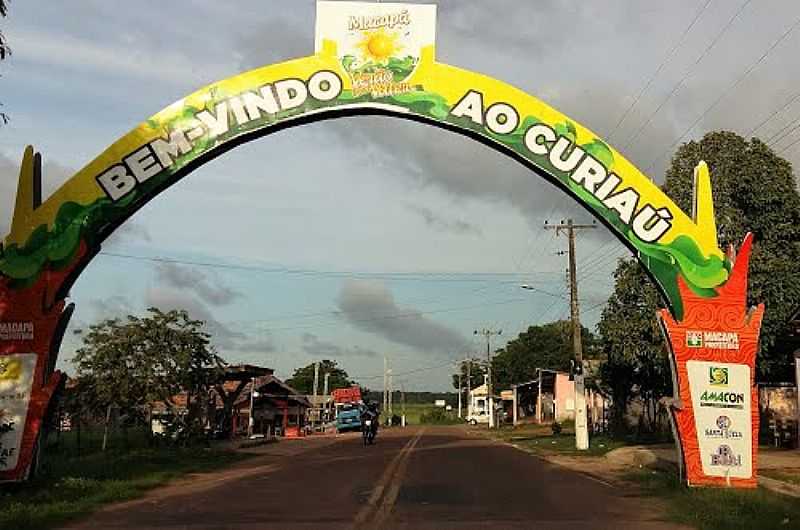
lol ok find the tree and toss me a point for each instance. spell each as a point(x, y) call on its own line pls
point(130, 364)
point(303, 378)
point(636, 361)
point(472, 371)
point(545, 346)
point(754, 191)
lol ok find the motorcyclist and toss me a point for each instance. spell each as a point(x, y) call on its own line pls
point(370, 413)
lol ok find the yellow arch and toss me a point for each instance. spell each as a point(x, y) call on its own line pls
point(169, 144)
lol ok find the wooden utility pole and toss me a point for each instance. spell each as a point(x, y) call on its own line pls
point(488, 333)
point(581, 429)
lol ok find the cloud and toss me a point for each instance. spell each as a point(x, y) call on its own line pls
point(53, 174)
point(166, 299)
point(370, 306)
point(321, 349)
point(131, 60)
point(128, 232)
point(222, 335)
point(115, 306)
point(440, 223)
point(208, 289)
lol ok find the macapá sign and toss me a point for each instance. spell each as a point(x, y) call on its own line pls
point(370, 58)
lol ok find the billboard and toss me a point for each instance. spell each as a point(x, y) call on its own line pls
point(715, 408)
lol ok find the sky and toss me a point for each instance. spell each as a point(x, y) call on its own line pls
point(364, 237)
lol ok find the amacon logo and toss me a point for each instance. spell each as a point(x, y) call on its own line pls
point(725, 400)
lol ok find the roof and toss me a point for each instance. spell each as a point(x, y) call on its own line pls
point(244, 372)
point(270, 386)
point(479, 390)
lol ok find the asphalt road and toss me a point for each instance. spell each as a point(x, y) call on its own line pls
point(418, 478)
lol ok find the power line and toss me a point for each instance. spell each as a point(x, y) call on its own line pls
point(789, 147)
point(786, 130)
point(420, 276)
point(661, 66)
point(689, 72)
point(768, 118)
point(786, 135)
point(411, 314)
point(728, 90)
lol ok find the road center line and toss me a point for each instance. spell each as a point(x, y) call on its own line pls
point(372, 508)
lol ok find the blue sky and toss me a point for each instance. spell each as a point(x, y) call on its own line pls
point(366, 237)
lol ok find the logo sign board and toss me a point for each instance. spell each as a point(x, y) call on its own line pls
point(16, 381)
point(721, 395)
point(379, 45)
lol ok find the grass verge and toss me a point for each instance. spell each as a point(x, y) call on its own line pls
point(719, 509)
point(792, 476)
point(71, 488)
point(540, 439)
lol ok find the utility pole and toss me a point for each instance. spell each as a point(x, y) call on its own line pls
point(325, 396)
point(251, 421)
point(488, 333)
point(581, 429)
point(390, 397)
point(316, 392)
point(460, 389)
point(403, 398)
point(385, 384)
point(469, 387)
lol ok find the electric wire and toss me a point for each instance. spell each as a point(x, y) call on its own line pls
point(661, 66)
point(689, 72)
point(728, 90)
point(766, 120)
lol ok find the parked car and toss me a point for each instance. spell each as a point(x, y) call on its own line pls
point(478, 417)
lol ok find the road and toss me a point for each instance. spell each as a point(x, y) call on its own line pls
point(418, 478)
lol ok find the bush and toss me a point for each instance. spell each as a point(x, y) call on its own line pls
point(556, 427)
point(437, 416)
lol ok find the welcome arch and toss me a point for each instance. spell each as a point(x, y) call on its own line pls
point(51, 241)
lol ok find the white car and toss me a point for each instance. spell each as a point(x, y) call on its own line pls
point(480, 417)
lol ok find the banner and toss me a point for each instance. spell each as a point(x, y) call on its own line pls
point(715, 409)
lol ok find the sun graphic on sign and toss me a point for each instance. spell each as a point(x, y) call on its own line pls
point(378, 46)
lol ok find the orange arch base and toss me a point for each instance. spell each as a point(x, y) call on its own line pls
point(712, 429)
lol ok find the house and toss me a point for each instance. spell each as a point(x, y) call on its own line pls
point(277, 409)
point(551, 397)
point(478, 405)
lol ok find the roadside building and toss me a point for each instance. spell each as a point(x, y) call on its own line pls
point(277, 409)
point(551, 397)
point(478, 405)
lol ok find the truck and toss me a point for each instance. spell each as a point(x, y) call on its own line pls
point(349, 407)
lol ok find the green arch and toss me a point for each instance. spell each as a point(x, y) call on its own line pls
point(66, 230)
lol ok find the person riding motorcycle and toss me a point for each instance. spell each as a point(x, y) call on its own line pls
point(369, 422)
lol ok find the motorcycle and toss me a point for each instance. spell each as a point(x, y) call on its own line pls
point(368, 432)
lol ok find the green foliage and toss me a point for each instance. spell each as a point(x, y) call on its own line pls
point(438, 416)
point(754, 191)
point(303, 378)
point(718, 508)
point(472, 373)
point(546, 346)
point(636, 360)
point(128, 364)
point(73, 487)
